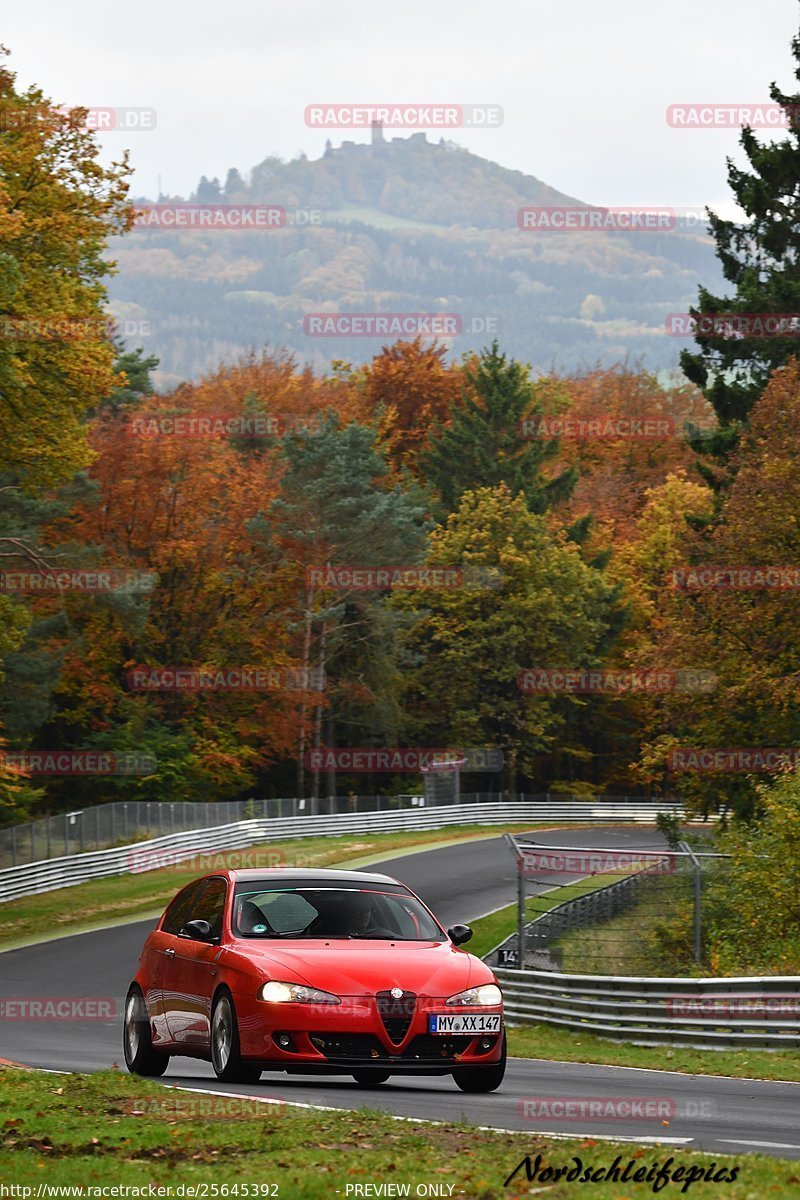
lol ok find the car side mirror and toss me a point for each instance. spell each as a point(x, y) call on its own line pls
point(459, 934)
point(199, 930)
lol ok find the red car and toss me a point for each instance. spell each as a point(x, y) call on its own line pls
point(312, 971)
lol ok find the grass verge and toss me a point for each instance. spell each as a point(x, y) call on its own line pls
point(80, 1131)
point(546, 1041)
point(121, 897)
point(490, 930)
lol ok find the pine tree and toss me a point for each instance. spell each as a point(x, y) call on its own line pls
point(208, 191)
point(484, 445)
point(336, 508)
point(234, 184)
point(761, 258)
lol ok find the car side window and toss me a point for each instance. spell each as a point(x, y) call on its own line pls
point(209, 906)
point(176, 915)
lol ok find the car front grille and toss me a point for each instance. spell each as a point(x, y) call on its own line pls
point(348, 1045)
point(424, 1048)
point(397, 1013)
point(427, 1046)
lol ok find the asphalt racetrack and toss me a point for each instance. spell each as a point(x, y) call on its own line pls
point(460, 883)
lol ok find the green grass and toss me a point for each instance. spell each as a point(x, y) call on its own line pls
point(122, 897)
point(629, 943)
point(79, 1130)
point(552, 1042)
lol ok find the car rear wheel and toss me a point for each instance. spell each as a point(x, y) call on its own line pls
point(370, 1078)
point(482, 1079)
point(140, 1057)
point(226, 1058)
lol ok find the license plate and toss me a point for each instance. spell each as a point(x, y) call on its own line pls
point(464, 1023)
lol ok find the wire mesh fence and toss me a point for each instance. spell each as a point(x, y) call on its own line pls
point(611, 911)
point(121, 822)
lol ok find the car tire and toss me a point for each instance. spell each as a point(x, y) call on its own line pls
point(482, 1079)
point(137, 1043)
point(370, 1077)
point(226, 1058)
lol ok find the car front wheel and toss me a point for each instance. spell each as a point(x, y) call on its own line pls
point(140, 1057)
point(226, 1059)
point(482, 1079)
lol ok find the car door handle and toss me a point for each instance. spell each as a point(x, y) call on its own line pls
point(170, 953)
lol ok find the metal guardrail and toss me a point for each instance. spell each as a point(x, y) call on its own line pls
point(104, 825)
point(706, 1013)
point(33, 878)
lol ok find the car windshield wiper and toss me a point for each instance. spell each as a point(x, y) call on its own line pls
point(381, 937)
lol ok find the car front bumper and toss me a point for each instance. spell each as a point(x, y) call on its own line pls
point(353, 1035)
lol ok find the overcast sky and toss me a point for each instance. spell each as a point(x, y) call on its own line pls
point(584, 85)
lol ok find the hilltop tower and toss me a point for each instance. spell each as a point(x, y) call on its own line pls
point(377, 134)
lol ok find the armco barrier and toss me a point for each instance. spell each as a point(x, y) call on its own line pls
point(707, 1013)
point(32, 878)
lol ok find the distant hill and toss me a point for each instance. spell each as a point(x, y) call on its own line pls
point(404, 225)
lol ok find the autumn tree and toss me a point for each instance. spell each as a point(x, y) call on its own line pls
point(746, 635)
point(58, 206)
point(629, 435)
point(548, 608)
point(409, 388)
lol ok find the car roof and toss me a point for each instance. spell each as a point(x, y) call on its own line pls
point(301, 873)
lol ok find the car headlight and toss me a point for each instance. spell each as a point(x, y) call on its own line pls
point(276, 992)
point(487, 993)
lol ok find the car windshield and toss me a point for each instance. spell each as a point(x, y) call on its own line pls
point(374, 912)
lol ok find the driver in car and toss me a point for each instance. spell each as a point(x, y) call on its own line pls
point(360, 916)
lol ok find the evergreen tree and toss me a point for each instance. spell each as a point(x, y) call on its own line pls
point(234, 183)
point(138, 384)
point(337, 509)
point(761, 259)
point(208, 191)
point(484, 444)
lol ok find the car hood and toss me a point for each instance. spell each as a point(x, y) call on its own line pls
point(350, 968)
